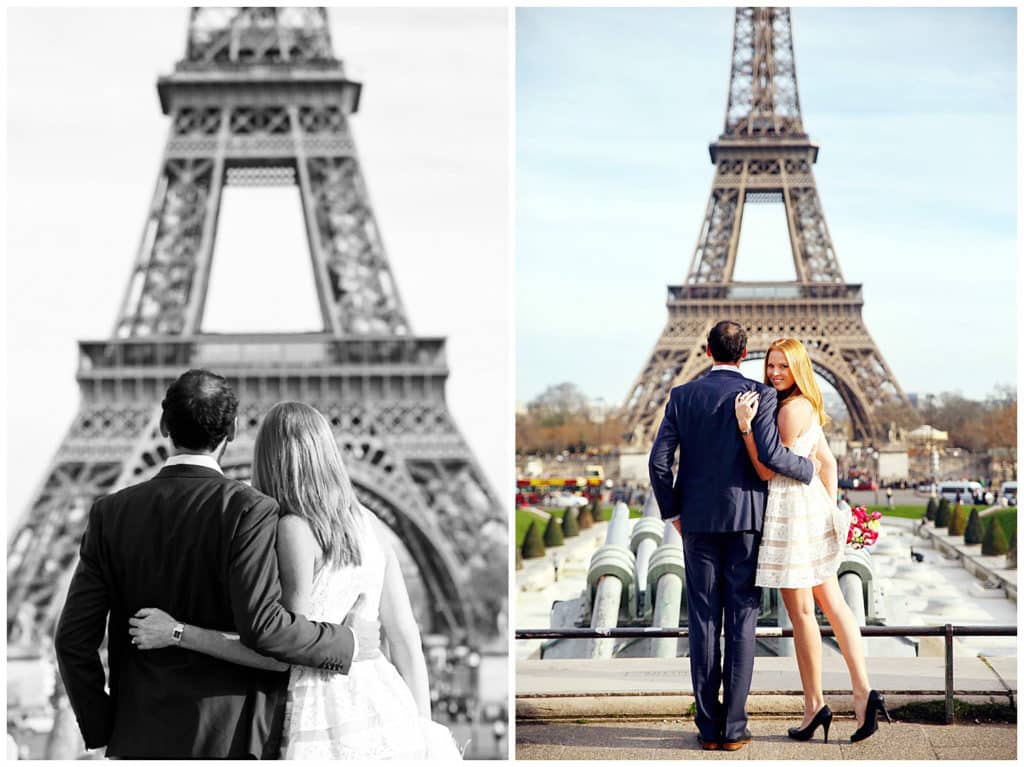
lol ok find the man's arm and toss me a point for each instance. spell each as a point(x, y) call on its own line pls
point(263, 623)
point(79, 635)
point(770, 450)
point(659, 465)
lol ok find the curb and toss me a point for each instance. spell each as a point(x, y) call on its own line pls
point(670, 706)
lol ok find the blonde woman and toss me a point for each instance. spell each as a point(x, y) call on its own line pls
point(333, 558)
point(804, 538)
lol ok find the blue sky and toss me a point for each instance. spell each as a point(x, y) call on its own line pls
point(915, 113)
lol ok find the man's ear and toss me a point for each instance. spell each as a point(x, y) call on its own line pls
point(232, 430)
point(743, 354)
point(707, 350)
point(163, 426)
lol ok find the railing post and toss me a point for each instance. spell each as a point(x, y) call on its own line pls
point(949, 673)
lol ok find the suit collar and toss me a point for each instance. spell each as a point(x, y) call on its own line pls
point(189, 470)
point(727, 371)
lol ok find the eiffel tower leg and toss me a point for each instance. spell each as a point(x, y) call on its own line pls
point(678, 357)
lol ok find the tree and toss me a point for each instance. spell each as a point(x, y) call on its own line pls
point(570, 523)
point(942, 513)
point(533, 543)
point(585, 518)
point(995, 542)
point(930, 510)
point(975, 531)
point(557, 403)
point(553, 532)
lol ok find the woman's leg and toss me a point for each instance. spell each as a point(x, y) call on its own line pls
point(840, 617)
point(807, 643)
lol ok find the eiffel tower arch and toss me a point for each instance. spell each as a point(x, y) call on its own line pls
point(764, 156)
point(260, 99)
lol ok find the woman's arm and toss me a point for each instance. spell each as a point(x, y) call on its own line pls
point(403, 634)
point(297, 554)
point(829, 468)
point(746, 408)
point(151, 628)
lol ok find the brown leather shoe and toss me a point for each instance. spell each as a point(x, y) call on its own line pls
point(708, 745)
point(736, 745)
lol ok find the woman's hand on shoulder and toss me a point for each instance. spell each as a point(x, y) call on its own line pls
point(746, 408)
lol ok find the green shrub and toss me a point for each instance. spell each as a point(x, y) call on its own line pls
point(975, 531)
point(929, 512)
point(958, 523)
point(942, 514)
point(584, 518)
point(570, 523)
point(595, 512)
point(533, 543)
point(995, 542)
point(553, 532)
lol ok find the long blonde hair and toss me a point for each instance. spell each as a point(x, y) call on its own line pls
point(297, 462)
point(803, 374)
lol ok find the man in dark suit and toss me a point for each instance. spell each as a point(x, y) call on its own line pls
point(717, 503)
point(201, 547)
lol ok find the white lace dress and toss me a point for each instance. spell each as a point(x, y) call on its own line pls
point(368, 713)
point(804, 533)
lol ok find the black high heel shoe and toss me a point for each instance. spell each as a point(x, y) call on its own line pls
point(823, 718)
point(876, 704)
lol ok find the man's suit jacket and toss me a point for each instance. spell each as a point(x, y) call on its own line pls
point(202, 548)
point(716, 489)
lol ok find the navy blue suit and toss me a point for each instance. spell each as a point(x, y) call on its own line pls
point(720, 502)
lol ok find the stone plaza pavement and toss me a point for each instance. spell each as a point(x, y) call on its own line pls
point(675, 739)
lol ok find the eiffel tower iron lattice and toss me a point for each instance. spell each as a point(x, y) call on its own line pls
point(765, 156)
point(260, 99)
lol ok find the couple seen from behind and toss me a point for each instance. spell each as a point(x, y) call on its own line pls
point(244, 622)
point(753, 512)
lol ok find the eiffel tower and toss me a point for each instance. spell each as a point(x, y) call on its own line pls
point(764, 156)
point(260, 100)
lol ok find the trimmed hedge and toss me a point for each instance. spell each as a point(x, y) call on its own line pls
point(975, 530)
point(570, 523)
point(942, 514)
point(958, 523)
point(553, 532)
point(995, 542)
point(930, 510)
point(584, 518)
point(533, 543)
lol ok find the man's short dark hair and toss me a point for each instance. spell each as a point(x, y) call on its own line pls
point(727, 340)
point(199, 409)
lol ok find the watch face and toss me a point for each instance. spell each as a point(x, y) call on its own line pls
point(176, 633)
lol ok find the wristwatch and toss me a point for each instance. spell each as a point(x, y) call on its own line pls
point(177, 632)
point(747, 431)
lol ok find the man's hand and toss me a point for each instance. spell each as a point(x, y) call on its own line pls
point(817, 464)
point(678, 526)
point(151, 628)
point(366, 629)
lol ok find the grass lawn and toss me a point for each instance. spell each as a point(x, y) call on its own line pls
point(524, 518)
point(906, 512)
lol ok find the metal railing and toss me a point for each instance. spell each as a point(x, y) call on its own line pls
point(947, 631)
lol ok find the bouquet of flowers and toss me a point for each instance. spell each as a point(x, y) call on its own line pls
point(864, 527)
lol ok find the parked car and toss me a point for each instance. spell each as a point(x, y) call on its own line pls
point(1008, 490)
point(968, 491)
point(562, 500)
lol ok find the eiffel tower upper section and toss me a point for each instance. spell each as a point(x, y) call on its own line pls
point(764, 156)
point(260, 100)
